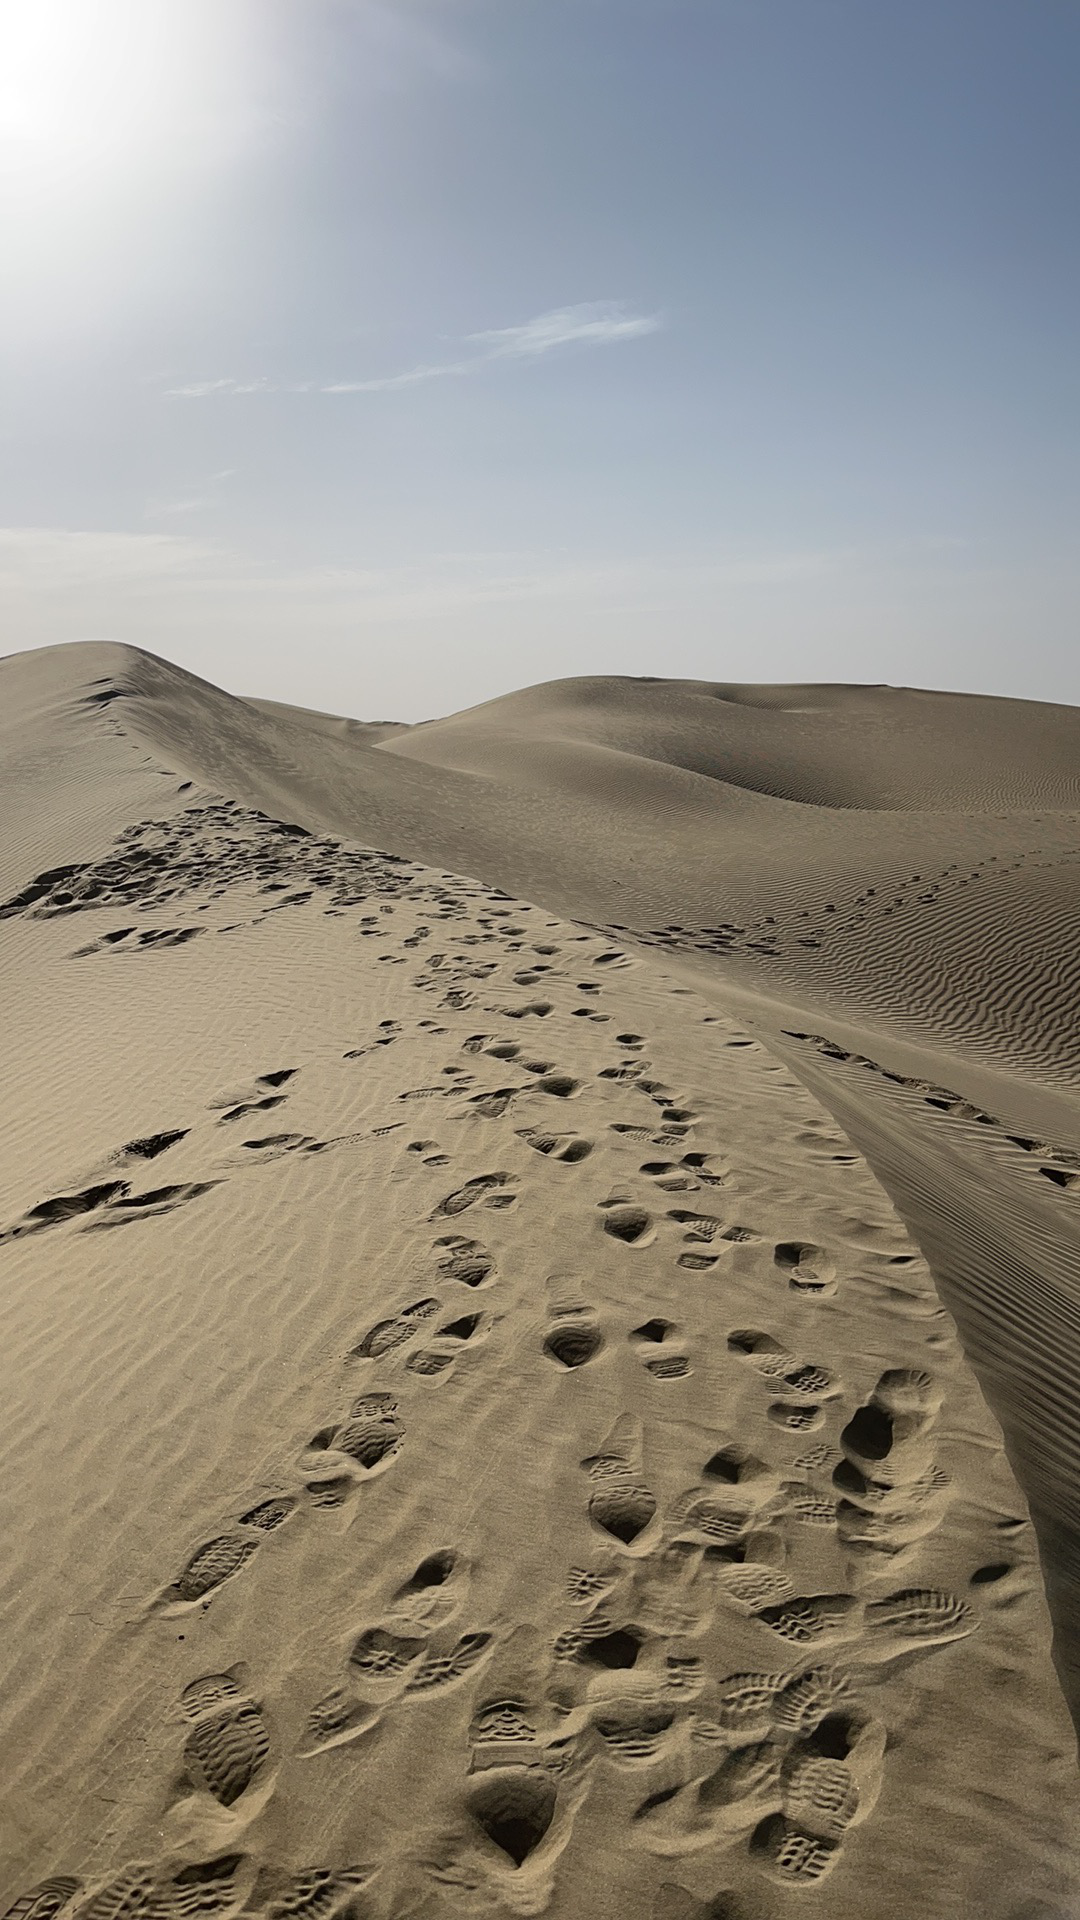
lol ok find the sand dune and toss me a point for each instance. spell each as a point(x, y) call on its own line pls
point(521, 1236)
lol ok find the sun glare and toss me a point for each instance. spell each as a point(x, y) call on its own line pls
point(80, 78)
point(99, 88)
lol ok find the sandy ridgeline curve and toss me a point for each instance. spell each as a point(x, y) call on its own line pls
point(476, 1436)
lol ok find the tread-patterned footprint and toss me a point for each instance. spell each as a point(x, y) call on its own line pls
point(441, 1668)
point(794, 1858)
point(568, 1147)
point(210, 1565)
point(809, 1268)
point(658, 1347)
point(490, 1189)
point(336, 1720)
point(226, 1750)
point(206, 1891)
point(636, 1730)
point(819, 1795)
point(318, 1893)
point(803, 1379)
point(386, 1335)
point(586, 1585)
point(45, 1901)
point(918, 1617)
point(699, 1229)
point(373, 1433)
point(467, 1261)
point(813, 1617)
point(382, 1662)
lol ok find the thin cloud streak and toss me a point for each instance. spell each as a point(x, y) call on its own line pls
point(599, 323)
point(596, 324)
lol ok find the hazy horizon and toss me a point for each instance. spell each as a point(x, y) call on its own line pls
point(382, 359)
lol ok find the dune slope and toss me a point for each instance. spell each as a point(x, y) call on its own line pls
point(476, 1434)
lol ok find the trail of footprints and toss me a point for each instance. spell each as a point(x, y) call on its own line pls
point(780, 1761)
point(1058, 1164)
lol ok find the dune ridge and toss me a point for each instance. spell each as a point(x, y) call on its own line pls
point(515, 1456)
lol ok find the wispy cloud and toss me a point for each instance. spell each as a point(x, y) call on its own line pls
point(599, 323)
point(594, 324)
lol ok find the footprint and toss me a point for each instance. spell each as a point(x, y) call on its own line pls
point(466, 1261)
point(808, 1268)
point(433, 1592)
point(772, 1359)
point(337, 1720)
point(153, 1144)
point(319, 1893)
point(212, 1693)
point(796, 1416)
point(561, 1086)
point(891, 1490)
point(794, 1858)
point(269, 1514)
point(209, 1567)
point(66, 1206)
point(439, 1670)
point(632, 1225)
point(490, 1188)
point(382, 1662)
point(687, 1175)
point(635, 1731)
point(574, 1338)
point(272, 1145)
point(436, 1360)
point(918, 1617)
point(431, 1159)
point(243, 1108)
point(813, 1617)
point(584, 1585)
point(46, 1900)
point(476, 1043)
point(371, 1436)
point(146, 1206)
point(569, 1147)
point(751, 1587)
point(514, 1808)
point(669, 1365)
point(701, 1228)
point(621, 1506)
point(820, 1796)
point(226, 1748)
point(143, 1893)
point(386, 1335)
point(492, 1106)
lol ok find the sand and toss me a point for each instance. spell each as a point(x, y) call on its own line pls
point(539, 1303)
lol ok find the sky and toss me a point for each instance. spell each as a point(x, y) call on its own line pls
point(383, 356)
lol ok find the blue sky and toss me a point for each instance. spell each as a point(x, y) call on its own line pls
point(385, 357)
